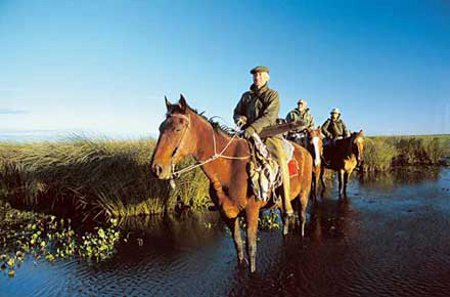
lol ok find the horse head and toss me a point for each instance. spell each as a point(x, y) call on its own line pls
point(315, 141)
point(174, 142)
point(357, 142)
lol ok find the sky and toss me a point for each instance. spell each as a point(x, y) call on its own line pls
point(102, 68)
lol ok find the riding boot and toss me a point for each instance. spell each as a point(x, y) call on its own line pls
point(286, 190)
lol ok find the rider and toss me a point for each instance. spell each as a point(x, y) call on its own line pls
point(334, 127)
point(300, 114)
point(257, 109)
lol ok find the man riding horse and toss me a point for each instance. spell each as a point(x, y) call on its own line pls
point(257, 109)
point(300, 114)
point(334, 128)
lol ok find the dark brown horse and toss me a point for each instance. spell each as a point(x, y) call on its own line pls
point(186, 133)
point(343, 156)
point(315, 147)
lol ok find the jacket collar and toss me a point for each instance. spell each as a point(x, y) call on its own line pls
point(260, 91)
point(304, 111)
point(336, 120)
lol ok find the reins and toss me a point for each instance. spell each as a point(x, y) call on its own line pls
point(214, 157)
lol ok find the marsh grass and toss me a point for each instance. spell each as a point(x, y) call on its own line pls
point(109, 178)
point(100, 178)
point(381, 153)
point(378, 154)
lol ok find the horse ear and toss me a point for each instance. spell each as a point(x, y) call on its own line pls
point(182, 103)
point(361, 133)
point(168, 104)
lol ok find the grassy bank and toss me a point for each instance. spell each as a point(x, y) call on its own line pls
point(109, 178)
point(382, 153)
point(113, 179)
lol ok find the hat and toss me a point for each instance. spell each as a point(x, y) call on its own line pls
point(259, 69)
point(335, 110)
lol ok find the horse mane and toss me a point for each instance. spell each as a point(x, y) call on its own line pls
point(348, 139)
point(353, 134)
point(342, 145)
point(218, 127)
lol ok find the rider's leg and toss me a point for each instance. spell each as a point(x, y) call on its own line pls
point(275, 147)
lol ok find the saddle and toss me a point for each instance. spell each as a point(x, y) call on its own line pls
point(264, 171)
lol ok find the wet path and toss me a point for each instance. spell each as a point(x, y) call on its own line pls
point(391, 237)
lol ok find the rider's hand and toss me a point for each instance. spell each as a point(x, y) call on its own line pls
point(241, 121)
point(249, 132)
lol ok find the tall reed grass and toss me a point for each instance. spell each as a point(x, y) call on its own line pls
point(113, 178)
point(95, 178)
point(381, 153)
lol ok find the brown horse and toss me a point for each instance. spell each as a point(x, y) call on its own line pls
point(343, 156)
point(186, 133)
point(315, 147)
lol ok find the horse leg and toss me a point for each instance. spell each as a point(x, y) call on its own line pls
point(341, 180)
point(322, 172)
point(314, 186)
point(303, 197)
point(235, 229)
point(285, 220)
point(316, 182)
point(252, 213)
point(346, 176)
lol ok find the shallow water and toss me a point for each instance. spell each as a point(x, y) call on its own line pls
point(390, 237)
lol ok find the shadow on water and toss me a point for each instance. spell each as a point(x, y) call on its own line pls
point(389, 237)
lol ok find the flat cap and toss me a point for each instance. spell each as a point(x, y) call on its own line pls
point(335, 110)
point(259, 69)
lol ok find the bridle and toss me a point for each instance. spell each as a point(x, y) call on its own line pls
point(177, 173)
point(177, 147)
point(358, 151)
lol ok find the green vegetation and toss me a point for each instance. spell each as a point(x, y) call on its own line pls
point(270, 220)
point(94, 178)
point(112, 179)
point(24, 233)
point(381, 153)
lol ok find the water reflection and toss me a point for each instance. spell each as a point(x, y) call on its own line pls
point(351, 249)
point(193, 230)
point(329, 217)
point(388, 181)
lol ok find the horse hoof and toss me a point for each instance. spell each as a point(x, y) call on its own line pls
point(243, 263)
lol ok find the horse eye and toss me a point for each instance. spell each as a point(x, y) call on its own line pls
point(177, 130)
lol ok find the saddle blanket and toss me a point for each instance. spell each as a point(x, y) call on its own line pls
point(292, 162)
point(265, 174)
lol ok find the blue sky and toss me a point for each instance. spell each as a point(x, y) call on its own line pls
point(103, 67)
